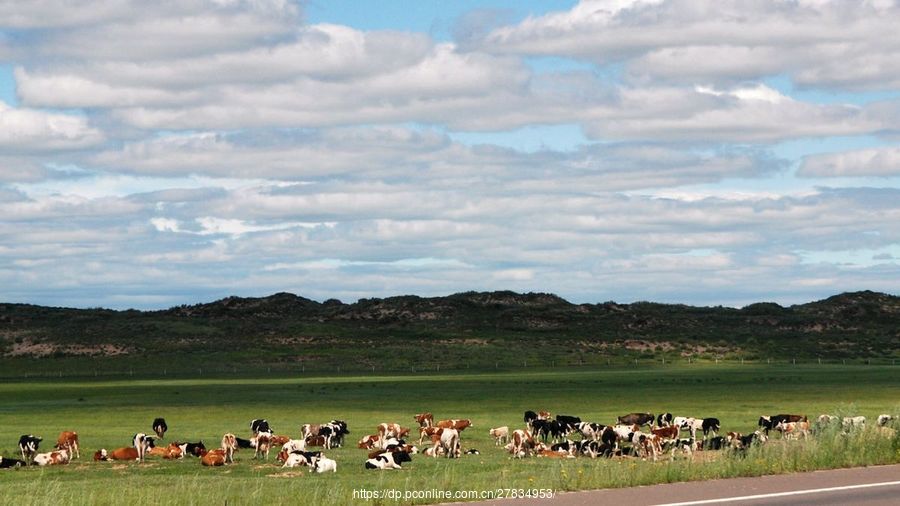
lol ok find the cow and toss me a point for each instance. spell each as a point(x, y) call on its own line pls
point(263, 445)
point(849, 423)
point(428, 432)
point(28, 445)
point(689, 423)
point(196, 449)
point(280, 440)
point(53, 458)
point(754, 438)
point(68, 441)
point(130, 453)
point(714, 443)
point(245, 443)
point(101, 455)
point(885, 420)
point(664, 419)
point(500, 435)
point(666, 433)
point(638, 419)
point(769, 422)
point(229, 446)
point(566, 446)
point(339, 429)
point(318, 434)
point(554, 454)
point(448, 440)
point(142, 443)
point(172, 451)
point(522, 443)
point(369, 442)
point(258, 425)
point(7, 463)
point(589, 430)
point(568, 423)
point(294, 445)
point(529, 418)
point(710, 425)
point(793, 429)
point(457, 424)
point(389, 430)
point(159, 427)
point(388, 460)
point(292, 459)
point(424, 419)
point(323, 465)
point(624, 432)
point(647, 445)
point(213, 458)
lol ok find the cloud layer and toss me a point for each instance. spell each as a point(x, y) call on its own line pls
point(730, 152)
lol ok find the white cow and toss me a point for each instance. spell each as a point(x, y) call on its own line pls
point(324, 464)
point(53, 458)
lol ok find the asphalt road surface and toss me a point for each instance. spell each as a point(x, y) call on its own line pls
point(868, 486)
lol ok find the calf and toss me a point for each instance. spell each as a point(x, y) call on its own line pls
point(424, 419)
point(160, 427)
point(638, 419)
point(28, 445)
point(324, 464)
point(142, 443)
point(6, 463)
point(68, 441)
point(101, 455)
point(500, 435)
point(53, 458)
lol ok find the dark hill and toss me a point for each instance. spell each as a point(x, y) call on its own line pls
point(473, 328)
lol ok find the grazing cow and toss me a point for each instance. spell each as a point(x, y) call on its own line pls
point(664, 419)
point(638, 419)
point(263, 445)
point(369, 442)
point(142, 443)
point(323, 465)
point(123, 454)
point(448, 440)
point(769, 422)
point(229, 445)
point(258, 425)
point(424, 419)
point(53, 458)
point(388, 460)
point(522, 443)
point(710, 425)
point(456, 424)
point(160, 427)
point(568, 423)
point(68, 441)
point(213, 458)
point(7, 463)
point(790, 430)
point(849, 423)
point(28, 445)
point(500, 435)
point(589, 430)
point(625, 432)
point(885, 420)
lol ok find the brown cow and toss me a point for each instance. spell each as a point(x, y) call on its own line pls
point(369, 442)
point(213, 458)
point(428, 432)
point(68, 441)
point(280, 440)
point(459, 425)
point(424, 419)
point(101, 455)
point(388, 430)
point(522, 443)
point(666, 433)
point(129, 453)
point(229, 445)
point(263, 445)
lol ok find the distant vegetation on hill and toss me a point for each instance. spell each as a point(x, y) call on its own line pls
point(472, 329)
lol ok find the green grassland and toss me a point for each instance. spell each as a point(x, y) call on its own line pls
point(107, 413)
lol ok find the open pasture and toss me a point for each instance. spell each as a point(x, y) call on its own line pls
point(107, 413)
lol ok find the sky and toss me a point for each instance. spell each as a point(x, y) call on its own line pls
point(699, 152)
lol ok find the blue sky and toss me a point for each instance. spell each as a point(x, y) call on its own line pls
point(666, 150)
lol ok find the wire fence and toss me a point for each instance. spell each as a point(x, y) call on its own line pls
point(145, 371)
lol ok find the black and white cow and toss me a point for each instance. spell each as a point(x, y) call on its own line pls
point(388, 460)
point(529, 418)
point(339, 430)
point(160, 427)
point(142, 443)
point(195, 449)
point(590, 430)
point(664, 419)
point(258, 425)
point(6, 463)
point(569, 423)
point(28, 445)
point(245, 443)
point(768, 423)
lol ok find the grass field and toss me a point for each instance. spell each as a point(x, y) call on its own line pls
point(107, 413)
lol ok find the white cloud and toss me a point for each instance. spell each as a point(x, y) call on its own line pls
point(27, 131)
point(880, 162)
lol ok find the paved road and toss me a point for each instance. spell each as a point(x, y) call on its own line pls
point(869, 486)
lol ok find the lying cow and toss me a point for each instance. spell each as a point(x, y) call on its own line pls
point(388, 460)
point(213, 458)
point(6, 463)
point(54, 458)
point(885, 420)
point(129, 453)
point(323, 465)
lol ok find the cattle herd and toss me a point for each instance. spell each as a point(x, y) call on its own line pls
point(640, 435)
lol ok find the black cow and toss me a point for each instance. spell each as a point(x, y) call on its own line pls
point(714, 443)
point(160, 427)
point(664, 419)
point(540, 428)
point(259, 425)
point(710, 424)
point(569, 422)
point(244, 443)
point(770, 422)
point(6, 463)
point(609, 436)
point(530, 417)
point(637, 419)
point(28, 445)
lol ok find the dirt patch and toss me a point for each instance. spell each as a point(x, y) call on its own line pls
point(29, 348)
point(289, 474)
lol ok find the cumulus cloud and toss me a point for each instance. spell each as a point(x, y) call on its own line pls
point(27, 130)
point(881, 162)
